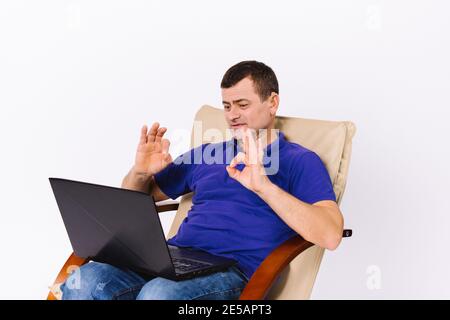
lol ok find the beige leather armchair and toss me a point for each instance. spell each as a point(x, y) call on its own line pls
point(290, 270)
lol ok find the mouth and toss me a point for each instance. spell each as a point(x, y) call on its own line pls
point(236, 126)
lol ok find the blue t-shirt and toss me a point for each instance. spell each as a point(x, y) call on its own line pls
point(227, 219)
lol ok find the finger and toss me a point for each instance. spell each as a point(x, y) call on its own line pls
point(260, 151)
point(245, 141)
point(143, 138)
point(165, 146)
point(168, 158)
point(240, 158)
point(159, 134)
point(252, 149)
point(152, 132)
point(233, 172)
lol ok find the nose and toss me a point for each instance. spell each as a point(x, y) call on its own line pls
point(234, 113)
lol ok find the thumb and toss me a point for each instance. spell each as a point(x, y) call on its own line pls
point(167, 158)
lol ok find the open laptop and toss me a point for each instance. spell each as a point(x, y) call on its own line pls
point(122, 227)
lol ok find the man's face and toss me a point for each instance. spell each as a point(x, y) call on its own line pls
point(243, 108)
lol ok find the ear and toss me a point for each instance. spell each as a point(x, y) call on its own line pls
point(274, 101)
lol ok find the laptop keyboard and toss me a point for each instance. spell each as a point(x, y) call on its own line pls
point(185, 265)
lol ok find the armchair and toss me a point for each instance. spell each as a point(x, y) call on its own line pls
point(289, 271)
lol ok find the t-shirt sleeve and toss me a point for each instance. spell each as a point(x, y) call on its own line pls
point(176, 179)
point(310, 181)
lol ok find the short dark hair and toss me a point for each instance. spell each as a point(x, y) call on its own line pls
point(262, 75)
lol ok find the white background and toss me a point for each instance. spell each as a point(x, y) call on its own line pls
point(79, 78)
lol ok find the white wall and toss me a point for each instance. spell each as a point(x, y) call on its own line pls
point(79, 78)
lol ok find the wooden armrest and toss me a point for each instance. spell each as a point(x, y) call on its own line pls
point(268, 271)
point(167, 205)
point(262, 280)
point(71, 263)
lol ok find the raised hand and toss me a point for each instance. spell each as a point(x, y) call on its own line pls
point(152, 153)
point(253, 175)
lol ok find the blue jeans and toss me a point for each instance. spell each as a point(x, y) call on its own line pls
point(100, 281)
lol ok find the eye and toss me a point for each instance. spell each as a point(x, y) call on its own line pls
point(243, 105)
point(226, 107)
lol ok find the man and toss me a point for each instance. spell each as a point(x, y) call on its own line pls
point(239, 211)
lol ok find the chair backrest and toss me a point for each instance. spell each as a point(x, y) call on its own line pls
point(332, 141)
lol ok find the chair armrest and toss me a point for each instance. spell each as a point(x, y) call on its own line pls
point(167, 205)
point(71, 263)
point(262, 280)
point(268, 271)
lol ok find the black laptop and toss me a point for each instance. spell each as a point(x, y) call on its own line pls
point(122, 227)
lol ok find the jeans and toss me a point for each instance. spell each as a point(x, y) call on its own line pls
point(100, 281)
